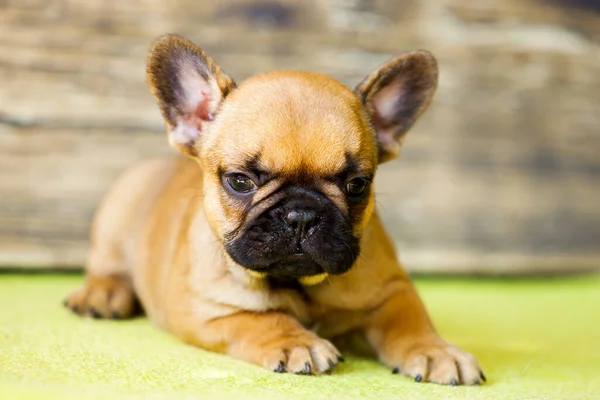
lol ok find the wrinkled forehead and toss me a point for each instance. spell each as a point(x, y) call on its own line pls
point(295, 122)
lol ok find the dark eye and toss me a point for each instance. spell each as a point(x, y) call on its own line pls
point(357, 187)
point(240, 183)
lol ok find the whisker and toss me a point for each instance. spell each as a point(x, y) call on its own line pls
point(351, 252)
point(365, 260)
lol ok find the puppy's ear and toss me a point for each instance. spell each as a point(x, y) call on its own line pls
point(189, 88)
point(395, 95)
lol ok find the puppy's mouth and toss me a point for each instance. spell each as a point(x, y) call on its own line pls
point(305, 266)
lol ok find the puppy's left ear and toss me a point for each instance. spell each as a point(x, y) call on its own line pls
point(395, 95)
point(189, 88)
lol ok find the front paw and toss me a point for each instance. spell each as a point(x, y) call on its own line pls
point(109, 296)
point(301, 353)
point(440, 362)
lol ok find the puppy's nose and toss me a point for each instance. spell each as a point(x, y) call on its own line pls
point(300, 219)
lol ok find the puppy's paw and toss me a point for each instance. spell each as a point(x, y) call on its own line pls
point(109, 296)
point(441, 363)
point(302, 353)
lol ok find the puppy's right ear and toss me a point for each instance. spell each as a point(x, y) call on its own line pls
point(189, 88)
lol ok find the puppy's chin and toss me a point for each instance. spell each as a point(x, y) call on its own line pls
point(293, 268)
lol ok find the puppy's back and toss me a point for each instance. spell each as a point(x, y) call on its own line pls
point(123, 213)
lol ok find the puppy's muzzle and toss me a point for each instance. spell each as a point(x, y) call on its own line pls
point(304, 234)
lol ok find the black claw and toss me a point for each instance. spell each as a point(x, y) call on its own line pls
point(396, 370)
point(279, 368)
point(331, 363)
point(114, 315)
point(307, 367)
point(453, 382)
point(477, 382)
point(482, 376)
point(418, 378)
point(94, 313)
point(75, 309)
point(65, 303)
point(341, 359)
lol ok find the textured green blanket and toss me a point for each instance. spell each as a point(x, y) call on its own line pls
point(536, 339)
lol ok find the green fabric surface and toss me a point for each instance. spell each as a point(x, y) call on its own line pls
point(536, 339)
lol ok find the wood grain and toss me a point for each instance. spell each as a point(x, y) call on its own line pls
point(502, 174)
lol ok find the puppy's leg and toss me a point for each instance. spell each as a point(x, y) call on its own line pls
point(273, 340)
point(107, 291)
point(405, 340)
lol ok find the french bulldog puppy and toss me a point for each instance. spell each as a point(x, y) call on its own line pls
point(264, 242)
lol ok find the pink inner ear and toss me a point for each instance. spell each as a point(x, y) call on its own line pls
point(386, 104)
point(386, 101)
point(190, 123)
point(203, 108)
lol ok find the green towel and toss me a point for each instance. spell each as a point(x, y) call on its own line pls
point(536, 339)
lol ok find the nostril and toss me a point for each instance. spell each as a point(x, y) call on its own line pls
point(300, 216)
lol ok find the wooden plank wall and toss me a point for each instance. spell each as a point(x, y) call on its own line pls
point(502, 175)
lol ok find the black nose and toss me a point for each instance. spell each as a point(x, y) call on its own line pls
point(300, 219)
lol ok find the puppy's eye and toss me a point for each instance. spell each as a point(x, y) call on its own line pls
point(356, 187)
point(240, 183)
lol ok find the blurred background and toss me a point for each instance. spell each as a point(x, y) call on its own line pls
point(500, 176)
